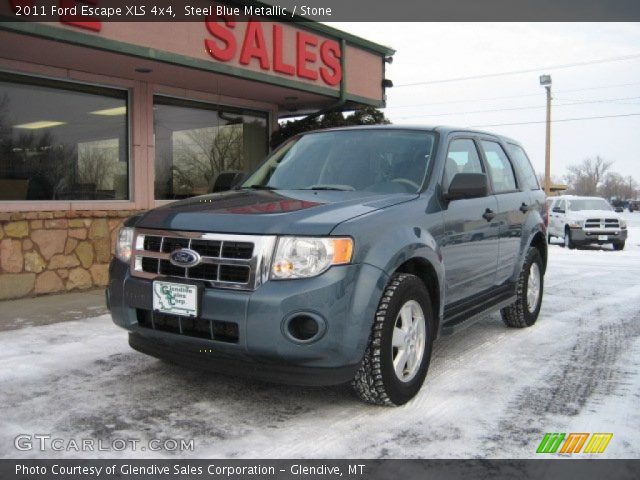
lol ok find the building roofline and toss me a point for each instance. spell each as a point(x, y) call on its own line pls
point(322, 28)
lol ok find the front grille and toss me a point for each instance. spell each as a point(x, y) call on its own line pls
point(226, 261)
point(189, 326)
point(602, 223)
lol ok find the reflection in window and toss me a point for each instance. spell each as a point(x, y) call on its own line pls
point(61, 141)
point(202, 149)
point(500, 168)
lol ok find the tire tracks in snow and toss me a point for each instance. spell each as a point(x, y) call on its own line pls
point(590, 370)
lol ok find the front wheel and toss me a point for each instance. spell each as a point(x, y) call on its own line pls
point(618, 245)
point(568, 241)
point(524, 311)
point(399, 350)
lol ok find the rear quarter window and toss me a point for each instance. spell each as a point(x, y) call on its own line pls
point(526, 172)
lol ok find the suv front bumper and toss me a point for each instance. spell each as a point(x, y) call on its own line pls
point(343, 300)
point(585, 237)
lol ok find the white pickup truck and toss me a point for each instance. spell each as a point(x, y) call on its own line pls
point(585, 220)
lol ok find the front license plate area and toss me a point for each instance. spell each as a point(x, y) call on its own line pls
point(603, 237)
point(176, 298)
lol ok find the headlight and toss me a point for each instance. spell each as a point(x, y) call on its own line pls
point(623, 224)
point(576, 224)
point(124, 244)
point(303, 257)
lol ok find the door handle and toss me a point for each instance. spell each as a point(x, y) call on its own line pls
point(488, 215)
point(524, 208)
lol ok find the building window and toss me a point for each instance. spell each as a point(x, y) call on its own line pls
point(202, 148)
point(62, 141)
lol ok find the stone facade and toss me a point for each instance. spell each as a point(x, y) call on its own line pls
point(54, 252)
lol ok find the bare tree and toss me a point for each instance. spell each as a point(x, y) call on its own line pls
point(618, 187)
point(204, 153)
point(586, 177)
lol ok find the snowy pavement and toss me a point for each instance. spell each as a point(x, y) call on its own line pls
point(490, 391)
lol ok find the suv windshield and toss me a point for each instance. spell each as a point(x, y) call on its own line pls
point(375, 160)
point(588, 204)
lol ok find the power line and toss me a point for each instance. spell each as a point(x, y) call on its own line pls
point(558, 120)
point(518, 72)
point(511, 96)
point(531, 107)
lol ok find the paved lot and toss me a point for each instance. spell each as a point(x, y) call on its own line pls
point(490, 392)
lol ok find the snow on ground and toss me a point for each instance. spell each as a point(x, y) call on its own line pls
point(490, 391)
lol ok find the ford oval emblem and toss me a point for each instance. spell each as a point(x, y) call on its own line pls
point(184, 257)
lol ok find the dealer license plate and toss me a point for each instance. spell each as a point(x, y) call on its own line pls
point(603, 237)
point(175, 298)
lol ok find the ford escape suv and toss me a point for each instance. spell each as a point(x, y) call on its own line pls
point(339, 259)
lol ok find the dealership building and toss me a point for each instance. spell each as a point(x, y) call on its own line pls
point(99, 120)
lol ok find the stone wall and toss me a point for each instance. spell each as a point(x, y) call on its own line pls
point(52, 252)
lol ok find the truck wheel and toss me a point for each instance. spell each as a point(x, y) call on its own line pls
point(568, 242)
point(524, 311)
point(618, 245)
point(397, 357)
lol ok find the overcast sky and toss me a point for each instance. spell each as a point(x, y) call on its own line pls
point(437, 51)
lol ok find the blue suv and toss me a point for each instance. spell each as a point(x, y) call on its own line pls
point(341, 258)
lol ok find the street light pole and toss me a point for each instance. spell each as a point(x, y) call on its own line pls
point(545, 81)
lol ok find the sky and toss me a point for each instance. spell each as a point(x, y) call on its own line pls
point(428, 52)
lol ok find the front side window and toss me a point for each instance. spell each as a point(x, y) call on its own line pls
point(588, 204)
point(204, 148)
point(500, 170)
point(374, 160)
point(61, 141)
point(462, 157)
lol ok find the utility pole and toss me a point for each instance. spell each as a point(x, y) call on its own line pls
point(545, 81)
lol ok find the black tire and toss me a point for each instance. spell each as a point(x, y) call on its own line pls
point(549, 239)
point(517, 315)
point(618, 245)
point(568, 242)
point(375, 381)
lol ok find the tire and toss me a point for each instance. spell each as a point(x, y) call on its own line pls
point(376, 381)
point(568, 243)
point(520, 314)
point(618, 245)
point(548, 239)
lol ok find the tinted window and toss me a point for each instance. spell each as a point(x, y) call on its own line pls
point(365, 160)
point(61, 141)
point(200, 147)
point(462, 157)
point(500, 169)
point(523, 165)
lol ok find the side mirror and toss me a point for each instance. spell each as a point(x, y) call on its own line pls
point(226, 181)
point(467, 185)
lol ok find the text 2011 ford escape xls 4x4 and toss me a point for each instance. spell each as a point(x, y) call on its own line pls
point(341, 258)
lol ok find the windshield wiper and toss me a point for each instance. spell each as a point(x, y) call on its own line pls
point(258, 187)
point(339, 189)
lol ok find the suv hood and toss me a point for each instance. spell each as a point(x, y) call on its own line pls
point(585, 214)
point(292, 212)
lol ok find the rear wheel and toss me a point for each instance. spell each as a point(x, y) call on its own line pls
point(525, 310)
point(397, 357)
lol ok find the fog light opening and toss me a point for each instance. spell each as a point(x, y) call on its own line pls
point(303, 328)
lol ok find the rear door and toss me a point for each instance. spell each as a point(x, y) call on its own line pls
point(556, 217)
point(512, 206)
point(470, 243)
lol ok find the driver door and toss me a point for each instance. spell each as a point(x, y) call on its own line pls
point(471, 235)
